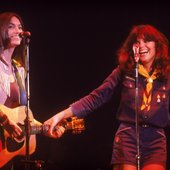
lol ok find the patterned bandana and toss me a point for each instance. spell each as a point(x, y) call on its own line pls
point(148, 91)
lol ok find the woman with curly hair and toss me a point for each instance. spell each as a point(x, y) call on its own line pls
point(146, 49)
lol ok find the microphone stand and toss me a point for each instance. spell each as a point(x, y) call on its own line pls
point(27, 120)
point(27, 161)
point(136, 110)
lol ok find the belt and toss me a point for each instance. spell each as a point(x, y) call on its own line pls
point(144, 125)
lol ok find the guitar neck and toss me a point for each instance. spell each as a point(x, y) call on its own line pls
point(33, 129)
point(76, 125)
point(67, 125)
point(40, 129)
point(36, 129)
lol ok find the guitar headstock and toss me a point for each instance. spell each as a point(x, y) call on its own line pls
point(75, 124)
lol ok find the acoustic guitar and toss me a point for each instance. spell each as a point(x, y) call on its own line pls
point(14, 147)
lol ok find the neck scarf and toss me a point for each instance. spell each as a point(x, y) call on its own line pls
point(148, 90)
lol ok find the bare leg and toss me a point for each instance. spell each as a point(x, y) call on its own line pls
point(153, 167)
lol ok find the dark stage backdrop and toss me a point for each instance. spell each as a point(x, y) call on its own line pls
point(72, 50)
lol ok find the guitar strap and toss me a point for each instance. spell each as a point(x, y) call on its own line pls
point(23, 98)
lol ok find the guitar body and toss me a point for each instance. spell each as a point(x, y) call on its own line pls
point(14, 147)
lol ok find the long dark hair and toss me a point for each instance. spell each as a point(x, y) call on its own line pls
point(19, 52)
point(149, 33)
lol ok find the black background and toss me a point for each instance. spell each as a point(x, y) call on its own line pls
point(72, 50)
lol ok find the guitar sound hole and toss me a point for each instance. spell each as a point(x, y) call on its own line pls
point(12, 145)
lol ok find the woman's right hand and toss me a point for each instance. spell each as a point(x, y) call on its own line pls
point(54, 130)
point(12, 128)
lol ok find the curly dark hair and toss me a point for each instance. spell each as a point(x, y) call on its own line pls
point(149, 33)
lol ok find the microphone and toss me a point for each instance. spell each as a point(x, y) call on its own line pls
point(24, 34)
point(136, 52)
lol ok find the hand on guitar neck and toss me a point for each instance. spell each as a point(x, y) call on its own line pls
point(14, 120)
point(16, 145)
point(74, 124)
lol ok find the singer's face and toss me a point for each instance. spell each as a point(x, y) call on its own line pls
point(14, 28)
point(147, 51)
